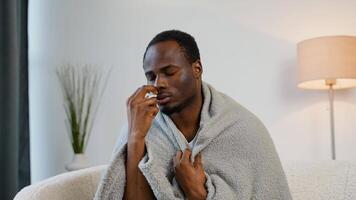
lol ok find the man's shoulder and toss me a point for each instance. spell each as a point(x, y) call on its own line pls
point(241, 116)
point(233, 106)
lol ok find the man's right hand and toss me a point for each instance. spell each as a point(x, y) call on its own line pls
point(141, 111)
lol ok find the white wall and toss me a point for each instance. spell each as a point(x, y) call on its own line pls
point(248, 50)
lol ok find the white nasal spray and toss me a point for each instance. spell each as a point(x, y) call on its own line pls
point(150, 95)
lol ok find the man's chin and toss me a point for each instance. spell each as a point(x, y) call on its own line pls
point(167, 109)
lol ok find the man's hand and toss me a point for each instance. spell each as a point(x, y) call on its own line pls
point(190, 177)
point(141, 111)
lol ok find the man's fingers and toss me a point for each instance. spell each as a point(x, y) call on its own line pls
point(146, 89)
point(186, 155)
point(132, 96)
point(141, 92)
point(154, 111)
point(150, 102)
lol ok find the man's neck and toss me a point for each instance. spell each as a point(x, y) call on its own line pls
point(188, 119)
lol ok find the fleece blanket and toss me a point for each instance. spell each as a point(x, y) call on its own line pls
point(238, 155)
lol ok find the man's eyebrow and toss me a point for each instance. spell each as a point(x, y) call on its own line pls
point(162, 69)
point(168, 66)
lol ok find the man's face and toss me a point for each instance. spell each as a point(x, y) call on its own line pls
point(167, 68)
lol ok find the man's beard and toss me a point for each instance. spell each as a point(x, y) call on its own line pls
point(178, 108)
point(168, 110)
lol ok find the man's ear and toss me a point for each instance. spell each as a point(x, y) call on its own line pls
point(197, 69)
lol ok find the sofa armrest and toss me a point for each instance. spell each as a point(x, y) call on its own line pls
point(316, 180)
point(76, 185)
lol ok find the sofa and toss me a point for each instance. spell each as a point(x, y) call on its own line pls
point(314, 180)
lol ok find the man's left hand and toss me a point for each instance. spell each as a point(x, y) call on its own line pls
point(190, 177)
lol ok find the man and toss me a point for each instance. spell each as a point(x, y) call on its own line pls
point(189, 141)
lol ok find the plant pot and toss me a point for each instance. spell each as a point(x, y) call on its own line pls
point(80, 161)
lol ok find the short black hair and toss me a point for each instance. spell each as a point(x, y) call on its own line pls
point(186, 42)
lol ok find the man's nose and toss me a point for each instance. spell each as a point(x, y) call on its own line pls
point(159, 82)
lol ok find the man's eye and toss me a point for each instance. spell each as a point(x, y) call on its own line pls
point(170, 72)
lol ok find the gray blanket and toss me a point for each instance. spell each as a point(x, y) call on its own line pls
point(238, 155)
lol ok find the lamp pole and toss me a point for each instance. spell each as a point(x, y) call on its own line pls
point(331, 83)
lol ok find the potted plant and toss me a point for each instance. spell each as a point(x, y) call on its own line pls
point(82, 87)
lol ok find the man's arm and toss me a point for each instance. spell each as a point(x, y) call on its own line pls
point(136, 184)
point(140, 112)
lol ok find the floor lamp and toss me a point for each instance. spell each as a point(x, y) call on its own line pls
point(328, 63)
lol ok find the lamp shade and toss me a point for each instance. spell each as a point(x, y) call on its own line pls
point(325, 60)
